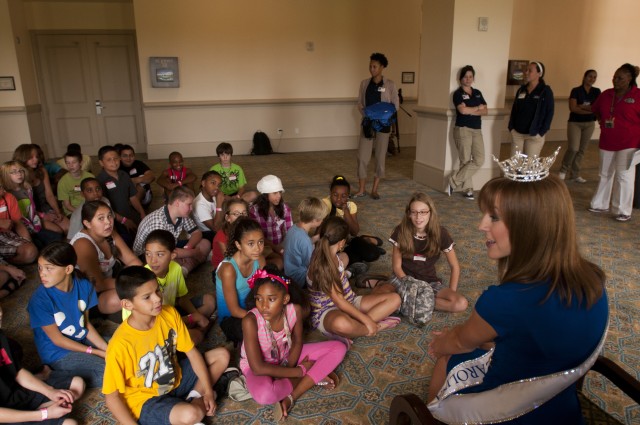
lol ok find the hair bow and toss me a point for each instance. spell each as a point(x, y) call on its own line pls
point(262, 274)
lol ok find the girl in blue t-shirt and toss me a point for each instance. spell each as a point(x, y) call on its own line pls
point(59, 314)
point(242, 258)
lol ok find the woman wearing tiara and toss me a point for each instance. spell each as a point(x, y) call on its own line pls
point(618, 112)
point(547, 315)
point(531, 113)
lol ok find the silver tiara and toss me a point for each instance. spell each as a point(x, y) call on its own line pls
point(523, 168)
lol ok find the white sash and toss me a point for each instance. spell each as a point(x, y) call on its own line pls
point(503, 403)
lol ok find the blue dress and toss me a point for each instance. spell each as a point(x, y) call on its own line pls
point(537, 338)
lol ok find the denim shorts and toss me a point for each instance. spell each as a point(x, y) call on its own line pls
point(157, 409)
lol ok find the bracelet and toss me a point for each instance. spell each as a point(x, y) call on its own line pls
point(124, 220)
point(45, 413)
point(218, 209)
point(304, 369)
point(89, 350)
point(190, 319)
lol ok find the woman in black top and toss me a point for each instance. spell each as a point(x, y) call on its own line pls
point(581, 124)
point(531, 113)
point(470, 106)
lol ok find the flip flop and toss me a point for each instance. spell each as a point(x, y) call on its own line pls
point(278, 412)
point(329, 379)
point(367, 281)
point(359, 195)
point(390, 322)
point(378, 240)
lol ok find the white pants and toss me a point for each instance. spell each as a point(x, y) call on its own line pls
point(616, 182)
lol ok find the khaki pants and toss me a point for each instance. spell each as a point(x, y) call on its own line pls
point(470, 145)
point(578, 134)
point(526, 144)
point(381, 142)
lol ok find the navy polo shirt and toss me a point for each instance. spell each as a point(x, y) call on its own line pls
point(583, 98)
point(473, 100)
point(525, 105)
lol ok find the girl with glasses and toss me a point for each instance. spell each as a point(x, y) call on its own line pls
point(233, 209)
point(417, 243)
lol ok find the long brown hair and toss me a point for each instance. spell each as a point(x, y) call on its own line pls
point(407, 230)
point(542, 233)
point(323, 272)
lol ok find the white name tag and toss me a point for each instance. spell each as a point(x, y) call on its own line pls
point(77, 189)
point(133, 171)
point(3, 208)
point(110, 185)
point(382, 89)
point(522, 95)
point(465, 96)
point(233, 177)
point(418, 257)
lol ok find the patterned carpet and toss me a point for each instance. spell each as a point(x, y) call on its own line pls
point(396, 361)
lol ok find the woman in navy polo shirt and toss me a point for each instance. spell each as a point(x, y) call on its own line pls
point(531, 113)
point(470, 106)
point(581, 124)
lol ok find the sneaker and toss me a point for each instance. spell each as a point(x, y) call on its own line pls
point(448, 190)
point(562, 175)
point(222, 386)
point(623, 217)
point(598, 210)
point(579, 180)
point(357, 268)
point(469, 195)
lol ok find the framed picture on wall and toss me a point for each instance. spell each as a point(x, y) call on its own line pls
point(164, 72)
point(408, 77)
point(515, 72)
point(7, 83)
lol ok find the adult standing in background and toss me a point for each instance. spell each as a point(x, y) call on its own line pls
point(531, 113)
point(580, 126)
point(374, 90)
point(467, 133)
point(618, 112)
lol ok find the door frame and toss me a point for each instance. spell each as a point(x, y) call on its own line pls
point(45, 113)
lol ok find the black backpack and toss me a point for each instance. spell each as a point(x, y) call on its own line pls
point(261, 144)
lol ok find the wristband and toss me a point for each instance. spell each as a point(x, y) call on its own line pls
point(190, 319)
point(124, 220)
point(45, 413)
point(89, 349)
point(186, 247)
point(304, 369)
point(219, 209)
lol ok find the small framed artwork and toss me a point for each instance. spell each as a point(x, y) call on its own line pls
point(7, 83)
point(164, 72)
point(408, 77)
point(515, 73)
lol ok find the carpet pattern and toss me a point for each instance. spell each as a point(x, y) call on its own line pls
point(396, 361)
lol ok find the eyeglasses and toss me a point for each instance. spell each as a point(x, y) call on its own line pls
point(422, 213)
point(238, 214)
point(13, 172)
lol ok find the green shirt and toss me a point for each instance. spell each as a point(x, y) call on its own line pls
point(69, 189)
point(233, 178)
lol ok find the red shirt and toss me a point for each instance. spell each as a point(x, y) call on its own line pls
point(9, 209)
point(625, 112)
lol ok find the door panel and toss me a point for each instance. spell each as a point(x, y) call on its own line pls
point(76, 72)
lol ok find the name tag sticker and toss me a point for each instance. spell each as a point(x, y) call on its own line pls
point(233, 177)
point(465, 96)
point(522, 95)
point(110, 185)
point(382, 89)
point(133, 171)
point(630, 100)
point(77, 188)
point(418, 257)
point(3, 208)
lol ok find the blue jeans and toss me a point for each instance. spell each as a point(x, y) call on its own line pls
point(87, 366)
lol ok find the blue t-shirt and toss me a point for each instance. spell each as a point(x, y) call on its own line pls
point(473, 100)
point(583, 98)
point(537, 338)
point(297, 255)
point(49, 306)
point(241, 287)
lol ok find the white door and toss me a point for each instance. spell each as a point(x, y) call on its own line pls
point(91, 91)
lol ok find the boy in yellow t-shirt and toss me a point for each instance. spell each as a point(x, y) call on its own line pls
point(159, 252)
point(143, 380)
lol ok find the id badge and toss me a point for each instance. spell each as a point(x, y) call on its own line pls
point(110, 185)
point(133, 172)
point(381, 89)
point(608, 123)
point(522, 95)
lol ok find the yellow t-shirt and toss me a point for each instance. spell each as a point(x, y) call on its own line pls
point(172, 286)
point(143, 364)
point(353, 208)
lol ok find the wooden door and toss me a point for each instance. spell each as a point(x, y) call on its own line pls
point(91, 91)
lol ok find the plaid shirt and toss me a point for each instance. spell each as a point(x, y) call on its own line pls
point(160, 219)
point(274, 227)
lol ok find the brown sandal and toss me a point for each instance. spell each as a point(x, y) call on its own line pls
point(370, 281)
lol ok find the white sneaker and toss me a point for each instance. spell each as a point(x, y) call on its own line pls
point(579, 180)
point(562, 175)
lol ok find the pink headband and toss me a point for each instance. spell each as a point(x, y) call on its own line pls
point(261, 274)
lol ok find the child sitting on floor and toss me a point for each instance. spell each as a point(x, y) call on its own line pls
point(59, 314)
point(176, 175)
point(15, 241)
point(336, 311)
point(233, 209)
point(417, 243)
point(278, 367)
point(298, 245)
point(144, 380)
point(233, 178)
point(159, 252)
point(25, 398)
point(207, 206)
point(69, 184)
point(141, 175)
